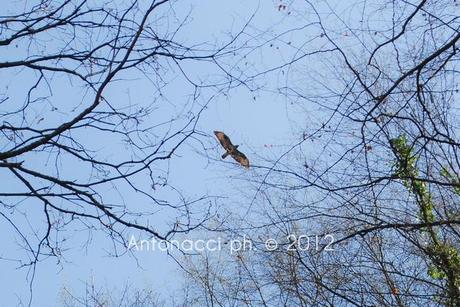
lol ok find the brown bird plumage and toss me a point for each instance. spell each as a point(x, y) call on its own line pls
point(231, 149)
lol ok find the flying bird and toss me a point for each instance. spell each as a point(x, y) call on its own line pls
point(231, 149)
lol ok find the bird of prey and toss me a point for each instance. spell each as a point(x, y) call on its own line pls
point(231, 149)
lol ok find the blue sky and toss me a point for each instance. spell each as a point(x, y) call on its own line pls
point(252, 119)
point(266, 117)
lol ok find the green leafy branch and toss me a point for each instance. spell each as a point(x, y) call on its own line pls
point(445, 258)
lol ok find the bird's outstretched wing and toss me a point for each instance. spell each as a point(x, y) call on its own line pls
point(224, 141)
point(231, 149)
point(240, 158)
